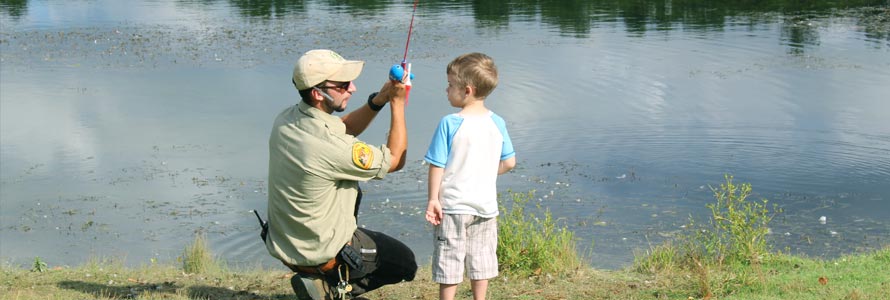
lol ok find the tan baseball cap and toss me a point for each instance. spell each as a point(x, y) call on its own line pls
point(316, 66)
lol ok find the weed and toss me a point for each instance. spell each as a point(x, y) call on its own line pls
point(737, 228)
point(659, 258)
point(197, 258)
point(529, 245)
point(735, 234)
point(39, 265)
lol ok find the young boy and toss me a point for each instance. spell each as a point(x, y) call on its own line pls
point(468, 151)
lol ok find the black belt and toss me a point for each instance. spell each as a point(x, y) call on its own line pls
point(318, 270)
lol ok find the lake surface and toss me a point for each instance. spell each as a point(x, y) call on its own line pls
point(127, 126)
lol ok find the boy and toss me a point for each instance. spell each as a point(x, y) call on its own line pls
point(468, 151)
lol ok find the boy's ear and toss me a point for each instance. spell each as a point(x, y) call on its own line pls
point(469, 90)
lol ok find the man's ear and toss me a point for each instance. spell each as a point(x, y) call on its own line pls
point(313, 93)
point(316, 95)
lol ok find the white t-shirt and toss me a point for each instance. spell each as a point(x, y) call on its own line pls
point(470, 149)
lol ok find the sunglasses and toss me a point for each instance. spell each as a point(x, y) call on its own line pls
point(344, 86)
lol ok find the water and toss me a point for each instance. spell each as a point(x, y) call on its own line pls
point(125, 128)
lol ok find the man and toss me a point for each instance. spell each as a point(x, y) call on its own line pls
point(315, 164)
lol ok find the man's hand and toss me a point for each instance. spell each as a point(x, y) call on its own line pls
point(392, 91)
point(434, 212)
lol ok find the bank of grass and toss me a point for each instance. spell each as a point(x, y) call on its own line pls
point(537, 264)
point(861, 276)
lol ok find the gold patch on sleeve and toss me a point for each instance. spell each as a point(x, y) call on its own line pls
point(362, 155)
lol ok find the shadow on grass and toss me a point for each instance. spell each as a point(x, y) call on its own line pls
point(134, 290)
point(118, 291)
point(214, 292)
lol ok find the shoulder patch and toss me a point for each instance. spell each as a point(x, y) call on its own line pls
point(362, 156)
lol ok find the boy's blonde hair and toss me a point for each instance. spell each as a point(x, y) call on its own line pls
point(477, 70)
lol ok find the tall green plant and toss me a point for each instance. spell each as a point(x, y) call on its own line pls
point(530, 245)
point(39, 265)
point(738, 227)
point(735, 234)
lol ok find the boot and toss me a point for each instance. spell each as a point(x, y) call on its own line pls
point(309, 287)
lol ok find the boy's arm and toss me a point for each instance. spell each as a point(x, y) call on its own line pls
point(434, 207)
point(506, 165)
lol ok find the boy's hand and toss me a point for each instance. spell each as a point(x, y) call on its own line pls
point(434, 212)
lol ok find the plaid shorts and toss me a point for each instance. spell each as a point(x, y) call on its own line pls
point(465, 240)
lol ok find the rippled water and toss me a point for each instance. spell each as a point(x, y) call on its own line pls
point(127, 126)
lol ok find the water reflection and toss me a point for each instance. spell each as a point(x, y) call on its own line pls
point(269, 8)
point(14, 8)
point(799, 19)
point(575, 18)
point(798, 32)
point(275, 9)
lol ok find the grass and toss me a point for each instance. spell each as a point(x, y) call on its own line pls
point(538, 260)
point(197, 257)
point(157, 281)
point(532, 245)
point(860, 276)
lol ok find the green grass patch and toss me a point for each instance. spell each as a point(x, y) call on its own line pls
point(859, 276)
point(534, 245)
point(103, 279)
point(197, 257)
point(728, 257)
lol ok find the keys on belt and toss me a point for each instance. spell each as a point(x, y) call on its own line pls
point(342, 288)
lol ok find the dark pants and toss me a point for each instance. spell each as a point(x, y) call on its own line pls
point(385, 260)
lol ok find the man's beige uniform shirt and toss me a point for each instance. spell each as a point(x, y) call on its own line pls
point(314, 169)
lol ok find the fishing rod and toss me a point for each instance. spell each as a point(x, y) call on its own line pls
point(263, 225)
point(397, 72)
point(410, 29)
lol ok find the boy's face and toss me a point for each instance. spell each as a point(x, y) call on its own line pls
point(457, 95)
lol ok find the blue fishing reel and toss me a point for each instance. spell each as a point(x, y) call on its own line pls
point(397, 73)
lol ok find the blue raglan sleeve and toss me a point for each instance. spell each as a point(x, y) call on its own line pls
point(507, 148)
point(437, 154)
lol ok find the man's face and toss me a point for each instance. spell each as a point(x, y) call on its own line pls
point(339, 93)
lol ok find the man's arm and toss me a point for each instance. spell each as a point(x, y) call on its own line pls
point(397, 142)
point(358, 120)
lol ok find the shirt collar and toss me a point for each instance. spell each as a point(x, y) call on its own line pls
point(331, 121)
